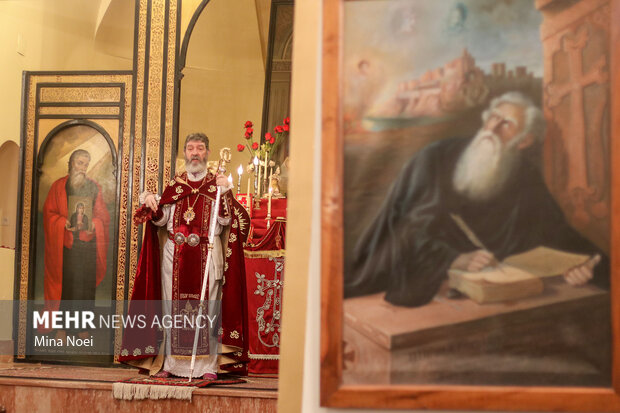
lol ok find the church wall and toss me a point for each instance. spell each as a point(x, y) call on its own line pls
point(223, 81)
point(9, 159)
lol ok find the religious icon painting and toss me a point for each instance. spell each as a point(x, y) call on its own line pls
point(468, 178)
point(72, 218)
point(76, 200)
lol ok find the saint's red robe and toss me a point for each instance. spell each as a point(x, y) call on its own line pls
point(55, 215)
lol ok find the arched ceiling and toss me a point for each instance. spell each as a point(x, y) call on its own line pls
point(226, 35)
point(114, 32)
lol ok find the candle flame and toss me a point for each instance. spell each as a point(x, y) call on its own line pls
point(240, 170)
point(255, 160)
point(230, 178)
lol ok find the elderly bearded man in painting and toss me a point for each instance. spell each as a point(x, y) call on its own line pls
point(495, 184)
point(75, 255)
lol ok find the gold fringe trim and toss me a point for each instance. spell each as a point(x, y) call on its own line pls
point(198, 356)
point(264, 254)
point(134, 391)
point(263, 356)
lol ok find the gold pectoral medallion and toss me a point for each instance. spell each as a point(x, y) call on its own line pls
point(189, 215)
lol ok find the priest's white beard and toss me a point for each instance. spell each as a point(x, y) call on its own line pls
point(195, 168)
point(484, 168)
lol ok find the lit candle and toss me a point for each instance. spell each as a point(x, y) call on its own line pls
point(239, 172)
point(265, 178)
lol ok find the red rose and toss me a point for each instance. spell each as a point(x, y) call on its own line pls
point(272, 140)
point(240, 147)
point(279, 129)
point(268, 136)
point(248, 124)
point(287, 120)
point(255, 145)
point(285, 127)
point(248, 133)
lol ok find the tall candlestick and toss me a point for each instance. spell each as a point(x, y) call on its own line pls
point(248, 193)
point(255, 176)
point(269, 207)
point(260, 183)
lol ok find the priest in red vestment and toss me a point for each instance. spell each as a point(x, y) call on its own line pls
point(184, 211)
point(75, 255)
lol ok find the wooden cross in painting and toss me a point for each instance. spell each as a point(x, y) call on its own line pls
point(576, 70)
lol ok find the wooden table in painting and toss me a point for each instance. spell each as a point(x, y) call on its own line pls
point(561, 337)
point(264, 268)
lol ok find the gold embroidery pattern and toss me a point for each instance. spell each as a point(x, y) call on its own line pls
point(243, 223)
point(264, 254)
point(78, 94)
point(154, 101)
point(170, 72)
point(84, 110)
point(23, 287)
point(228, 252)
point(234, 334)
point(124, 205)
point(137, 162)
point(269, 328)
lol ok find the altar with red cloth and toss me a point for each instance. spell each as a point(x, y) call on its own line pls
point(264, 269)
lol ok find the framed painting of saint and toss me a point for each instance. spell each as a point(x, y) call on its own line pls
point(73, 215)
point(468, 216)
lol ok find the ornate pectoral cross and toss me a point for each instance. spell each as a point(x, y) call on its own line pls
point(189, 215)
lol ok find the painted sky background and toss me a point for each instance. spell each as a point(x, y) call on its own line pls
point(404, 38)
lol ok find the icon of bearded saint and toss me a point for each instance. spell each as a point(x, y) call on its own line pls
point(491, 181)
point(75, 259)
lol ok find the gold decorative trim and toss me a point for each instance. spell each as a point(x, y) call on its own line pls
point(264, 254)
point(137, 160)
point(123, 208)
point(154, 102)
point(82, 110)
point(263, 356)
point(26, 218)
point(170, 72)
point(80, 94)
